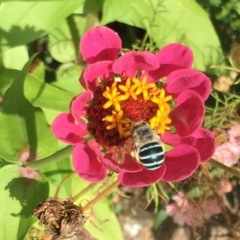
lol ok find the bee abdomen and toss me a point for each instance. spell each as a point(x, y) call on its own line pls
point(151, 155)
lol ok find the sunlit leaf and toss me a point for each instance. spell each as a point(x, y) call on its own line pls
point(170, 21)
point(61, 45)
point(31, 20)
point(15, 58)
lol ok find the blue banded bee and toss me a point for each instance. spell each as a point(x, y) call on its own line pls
point(160, 84)
point(147, 145)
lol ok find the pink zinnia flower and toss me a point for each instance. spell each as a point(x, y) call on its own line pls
point(122, 90)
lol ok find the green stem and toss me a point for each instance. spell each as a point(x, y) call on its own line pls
point(100, 196)
point(230, 170)
point(83, 192)
point(163, 191)
point(58, 156)
point(226, 68)
point(75, 36)
point(62, 183)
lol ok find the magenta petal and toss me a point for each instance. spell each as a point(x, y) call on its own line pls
point(110, 162)
point(86, 164)
point(181, 162)
point(176, 54)
point(204, 141)
point(130, 164)
point(132, 62)
point(101, 69)
point(79, 106)
point(188, 114)
point(106, 160)
point(100, 43)
point(89, 85)
point(170, 139)
point(142, 178)
point(183, 79)
point(172, 57)
point(65, 129)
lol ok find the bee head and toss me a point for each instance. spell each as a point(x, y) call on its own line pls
point(137, 125)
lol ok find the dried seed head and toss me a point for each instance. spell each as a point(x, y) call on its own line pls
point(62, 218)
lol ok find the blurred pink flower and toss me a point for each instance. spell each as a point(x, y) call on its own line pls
point(224, 186)
point(191, 213)
point(228, 153)
point(234, 135)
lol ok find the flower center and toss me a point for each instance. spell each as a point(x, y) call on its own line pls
point(121, 103)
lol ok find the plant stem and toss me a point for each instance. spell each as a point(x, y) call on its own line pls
point(58, 156)
point(62, 182)
point(230, 170)
point(219, 200)
point(84, 191)
point(102, 195)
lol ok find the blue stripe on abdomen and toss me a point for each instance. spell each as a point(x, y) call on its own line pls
point(151, 155)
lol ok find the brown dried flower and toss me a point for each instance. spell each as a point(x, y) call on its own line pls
point(62, 218)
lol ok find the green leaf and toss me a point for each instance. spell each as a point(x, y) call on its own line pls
point(1, 1)
point(161, 216)
point(21, 191)
point(43, 95)
point(61, 45)
point(24, 132)
point(67, 78)
point(31, 20)
point(55, 173)
point(104, 225)
point(170, 21)
point(39, 94)
point(15, 58)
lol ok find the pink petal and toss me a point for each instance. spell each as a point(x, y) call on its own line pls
point(188, 114)
point(171, 139)
point(79, 106)
point(100, 43)
point(132, 62)
point(65, 129)
point(106, 160)
point(202, 139)
point(90, 86)
point(130, 164)
point(86, 164)
point(182, 79)
point(171, 58)
point(110, 162)
point(142, 178)
point(176, 54)
point(101, 70)
point(181, 162)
